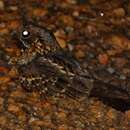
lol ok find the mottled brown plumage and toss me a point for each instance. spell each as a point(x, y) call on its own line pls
point(43, 66)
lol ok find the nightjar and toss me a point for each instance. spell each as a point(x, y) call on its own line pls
point(45, 67)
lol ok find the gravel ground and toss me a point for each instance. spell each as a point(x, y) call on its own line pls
point(97, 33)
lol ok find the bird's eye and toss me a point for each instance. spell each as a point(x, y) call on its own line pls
point(25, 34)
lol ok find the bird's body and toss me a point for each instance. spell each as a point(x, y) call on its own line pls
point(43, 66)
point(46, 68)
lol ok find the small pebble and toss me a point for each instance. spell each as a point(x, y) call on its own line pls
point(13, 8)
point(122, 77)
point(111, 70)
point(92, 44)
point(120, 12)
point(96, 1)
point(75, 14)
point(71, 1)
point(1, 5)
point(69, 29)
point(91, 55)
point(103, 59)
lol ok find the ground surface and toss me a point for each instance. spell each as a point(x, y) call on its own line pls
point(97, 32)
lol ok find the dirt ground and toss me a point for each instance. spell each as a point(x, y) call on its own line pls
point(97, 32)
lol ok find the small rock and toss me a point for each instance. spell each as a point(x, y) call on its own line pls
point(67, 20)
point(1, 103)
point(111, 116)
point(3, 69)
point(79, 54)
point(14, 24)
point(103, 59)
point(4, 79)
point(63, 127)
point(126, 71)
point(91, 55)
point(42, 123)
point(13, 108)
point(111, 70)
point(118, 42)
point(13, 8)
point(3, 120)
point(120, 62)
point(71, 1)
point(75, 14)
point(39, 12)
point(119, 12)
point(122, 77)
point(61, 115)
point(3, 30)
point(128, 114)
point(112, 129)
point(17, 94)
point(96, 1)
point(69, 29)
point(1, 5)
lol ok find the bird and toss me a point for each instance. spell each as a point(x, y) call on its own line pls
point(45, 67)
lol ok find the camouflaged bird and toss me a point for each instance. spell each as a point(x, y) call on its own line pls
point(46, 68)
point(43, 66)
